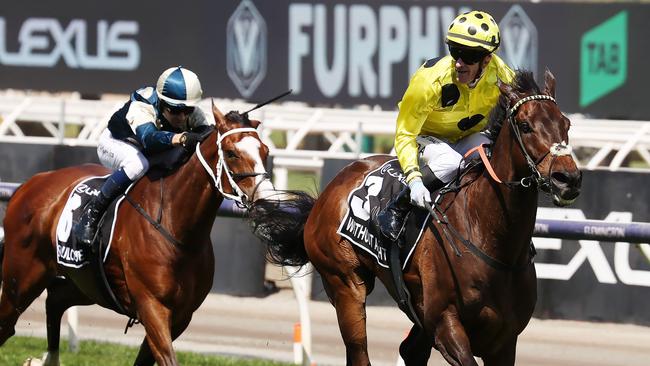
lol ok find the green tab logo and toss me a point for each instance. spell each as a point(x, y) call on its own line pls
point(603, 59)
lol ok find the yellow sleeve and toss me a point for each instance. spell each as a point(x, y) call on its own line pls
point(416, 104)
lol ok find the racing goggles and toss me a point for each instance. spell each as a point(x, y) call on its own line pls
point(179, 109)
point(468, 55)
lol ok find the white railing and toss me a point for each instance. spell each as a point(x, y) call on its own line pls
point(597, 143)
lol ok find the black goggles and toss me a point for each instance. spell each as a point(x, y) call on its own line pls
point(179, 109)
point(469, 56)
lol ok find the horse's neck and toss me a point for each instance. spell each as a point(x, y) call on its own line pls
point(190, 201)
point(512, 210)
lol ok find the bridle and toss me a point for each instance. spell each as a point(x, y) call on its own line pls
point(222, 168)
point(239, 196)
point(556, 149)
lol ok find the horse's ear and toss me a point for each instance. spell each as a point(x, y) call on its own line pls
point(508, 91)
point(254, 123)
point(219, 118)
point(549, 83)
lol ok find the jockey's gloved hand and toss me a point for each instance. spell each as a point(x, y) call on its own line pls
point(189, 140)
point(419, 193)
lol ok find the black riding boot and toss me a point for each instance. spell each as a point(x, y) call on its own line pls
point(113, 187)
point(90, 218)
point(391, 218)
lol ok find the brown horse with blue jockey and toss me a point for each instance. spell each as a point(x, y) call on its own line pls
point(159, 272)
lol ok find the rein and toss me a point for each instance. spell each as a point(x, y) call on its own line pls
point(156, 223)
point(222, 168)
point(441, 218)
point(557, 149)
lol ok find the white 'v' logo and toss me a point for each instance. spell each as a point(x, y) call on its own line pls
point(246, 48)
point(246, 36)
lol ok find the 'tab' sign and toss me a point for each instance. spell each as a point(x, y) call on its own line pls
point(603, 59)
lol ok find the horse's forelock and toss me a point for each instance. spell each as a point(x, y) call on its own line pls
point(240, 118)
point(523, 84)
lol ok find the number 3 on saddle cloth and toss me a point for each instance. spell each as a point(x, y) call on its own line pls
point(68, 251)
point(366, 201)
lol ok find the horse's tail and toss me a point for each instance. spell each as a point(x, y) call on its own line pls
point(279, 222)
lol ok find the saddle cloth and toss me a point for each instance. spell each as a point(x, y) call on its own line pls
point(359, 224)
point(68, 251)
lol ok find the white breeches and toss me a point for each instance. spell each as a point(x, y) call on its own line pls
point(116, 154)
point(444, 158)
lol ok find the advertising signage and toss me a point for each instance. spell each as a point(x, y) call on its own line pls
point(340, 53)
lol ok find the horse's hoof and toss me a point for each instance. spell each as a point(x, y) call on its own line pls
point(32, 362)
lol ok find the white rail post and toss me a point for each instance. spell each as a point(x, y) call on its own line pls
point(301, 283)
point(73, 325)
point(62, 122)
point(297, 344)
point(359, 138)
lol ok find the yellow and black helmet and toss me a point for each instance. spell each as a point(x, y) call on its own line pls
point(475, 29)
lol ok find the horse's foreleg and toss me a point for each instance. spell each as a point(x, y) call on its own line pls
point(145, 357)
point(156, 321)
point(61, 295)
point(504, 357)
point(452, 341)
point(415, 350)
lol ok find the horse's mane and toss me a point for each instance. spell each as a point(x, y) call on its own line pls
point(524, 84)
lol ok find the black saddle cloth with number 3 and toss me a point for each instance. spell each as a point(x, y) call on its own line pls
point(366, 201)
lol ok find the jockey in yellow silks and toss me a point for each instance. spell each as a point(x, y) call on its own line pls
point(443, 111)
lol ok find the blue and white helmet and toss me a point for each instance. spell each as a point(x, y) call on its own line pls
point(179, 87)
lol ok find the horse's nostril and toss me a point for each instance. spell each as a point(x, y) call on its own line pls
point(572, 194)
point(560, 178)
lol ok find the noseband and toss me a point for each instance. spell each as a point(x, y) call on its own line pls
point(557, 149)
point(222, 168)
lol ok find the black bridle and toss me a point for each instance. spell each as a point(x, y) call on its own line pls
point(556, 149)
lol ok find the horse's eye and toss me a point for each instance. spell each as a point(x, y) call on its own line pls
point(230, 154)
point(525, 127)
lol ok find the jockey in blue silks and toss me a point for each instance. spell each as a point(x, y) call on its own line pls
point(153, 120)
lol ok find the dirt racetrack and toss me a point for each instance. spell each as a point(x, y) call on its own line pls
point(263, 327)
